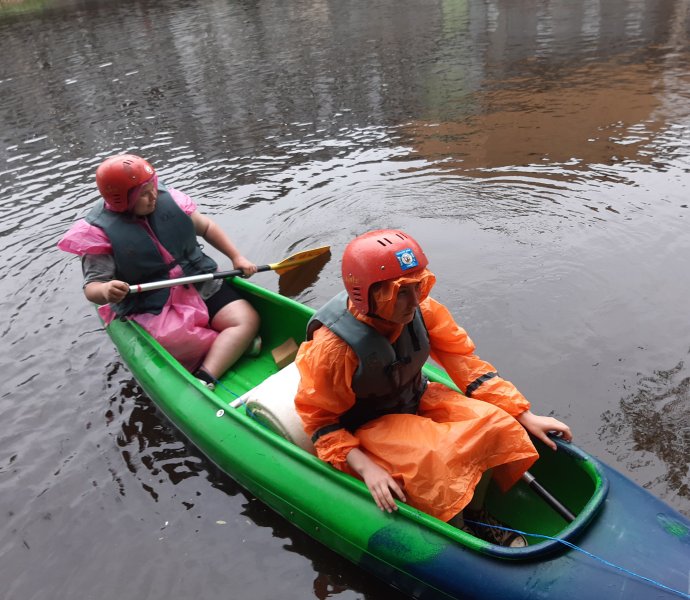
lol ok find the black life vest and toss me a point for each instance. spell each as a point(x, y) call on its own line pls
point(137, 259)
point(389, 377)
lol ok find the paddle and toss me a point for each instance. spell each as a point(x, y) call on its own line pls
point(541, 491)
point(281, 267)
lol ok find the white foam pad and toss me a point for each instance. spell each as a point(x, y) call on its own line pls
point(272, 403)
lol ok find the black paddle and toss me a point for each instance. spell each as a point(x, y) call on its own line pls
point(553, 502)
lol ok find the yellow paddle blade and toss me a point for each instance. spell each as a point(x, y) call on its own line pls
point(295, 260)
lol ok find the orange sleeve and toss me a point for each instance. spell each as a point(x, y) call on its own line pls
point(326, 365)
point(453, 349)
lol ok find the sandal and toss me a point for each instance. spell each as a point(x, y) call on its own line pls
point(205, 379)
point(490, 529)
point(254, 349)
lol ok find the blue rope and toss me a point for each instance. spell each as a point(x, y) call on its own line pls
point(586, 553)
point(218, 382)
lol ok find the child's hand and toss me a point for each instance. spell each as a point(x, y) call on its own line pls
point(540, 427)
point(381, 484)
point(248, 267)
point(115, 291)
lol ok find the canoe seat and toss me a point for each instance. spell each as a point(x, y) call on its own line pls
point(272, 403)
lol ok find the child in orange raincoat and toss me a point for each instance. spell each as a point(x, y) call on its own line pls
point(372, 413)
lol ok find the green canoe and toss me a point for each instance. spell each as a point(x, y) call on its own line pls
point(616, 520)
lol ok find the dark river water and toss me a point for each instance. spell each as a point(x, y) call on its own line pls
point(538, 150)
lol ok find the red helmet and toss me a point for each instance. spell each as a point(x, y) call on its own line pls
point(379, 256)
point(117, 175)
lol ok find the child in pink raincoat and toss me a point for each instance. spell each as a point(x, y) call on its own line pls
point(142, 232)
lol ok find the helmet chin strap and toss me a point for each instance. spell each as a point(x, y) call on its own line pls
point(375, 316)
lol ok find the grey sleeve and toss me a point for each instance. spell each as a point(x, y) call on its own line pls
point(97, 267)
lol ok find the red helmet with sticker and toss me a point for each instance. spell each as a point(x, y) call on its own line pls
point(119, 174)
point(379, 256)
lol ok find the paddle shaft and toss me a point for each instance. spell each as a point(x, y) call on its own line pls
point(158, 285)
point(541, 491)
point(285, 265)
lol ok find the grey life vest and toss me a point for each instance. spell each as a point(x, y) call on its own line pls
point(137, 259)
point(389, 377)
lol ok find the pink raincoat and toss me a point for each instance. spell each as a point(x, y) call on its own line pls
point(182, 326)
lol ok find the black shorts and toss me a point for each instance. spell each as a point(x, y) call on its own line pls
point(224, 296)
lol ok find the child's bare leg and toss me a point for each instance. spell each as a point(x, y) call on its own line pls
point(237, 324)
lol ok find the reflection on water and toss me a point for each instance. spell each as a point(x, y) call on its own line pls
point(654, 423)
point(296, 281)
point(538, 150)
point(568, 129)
point(153, 451)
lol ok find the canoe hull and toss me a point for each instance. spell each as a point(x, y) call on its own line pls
point(410, 550)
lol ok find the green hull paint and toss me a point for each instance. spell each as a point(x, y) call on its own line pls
point(409, 549)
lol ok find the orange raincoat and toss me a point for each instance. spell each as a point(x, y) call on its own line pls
point(439, 454)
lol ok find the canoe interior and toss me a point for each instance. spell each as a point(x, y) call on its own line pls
point(569, 474)
point(575, 478)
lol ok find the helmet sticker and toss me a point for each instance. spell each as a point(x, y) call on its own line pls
point(407, 259)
